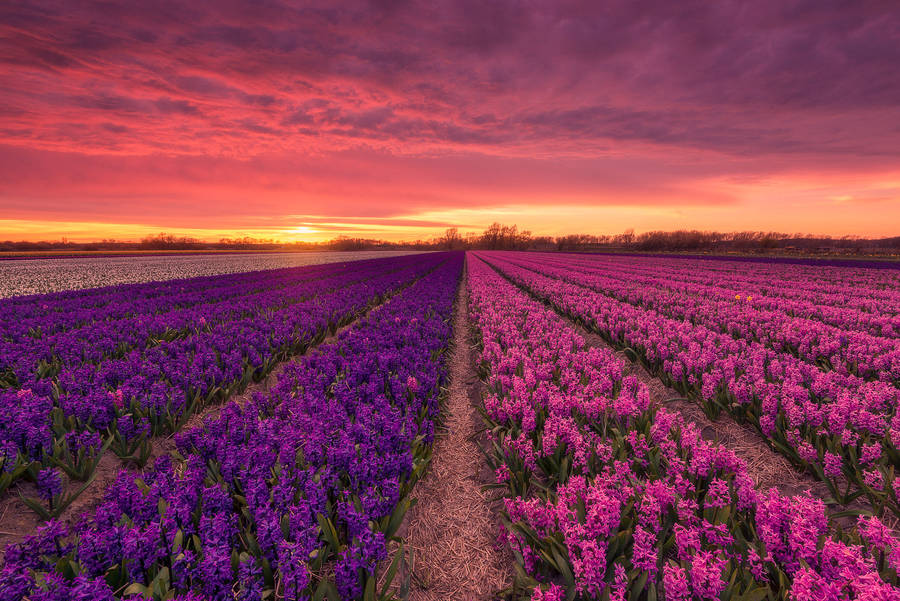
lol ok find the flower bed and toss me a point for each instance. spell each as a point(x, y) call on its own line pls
point(827, 335)
point(139, 386)
point(290, 497)
point(610, 497)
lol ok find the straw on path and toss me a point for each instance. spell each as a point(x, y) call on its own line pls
point(453, 529)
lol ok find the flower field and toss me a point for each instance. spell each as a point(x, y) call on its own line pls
point(300, 490)
point(314, 473)
point(111, 368)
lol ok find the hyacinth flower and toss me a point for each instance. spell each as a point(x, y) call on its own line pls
point(158, 358)
point(780, 325)
point(148, 314)
point(77, 454)
point(853, 299)
point(49, 484)
point(130, 439)
point(618, 499)
point(26, 434)
point(12, 466)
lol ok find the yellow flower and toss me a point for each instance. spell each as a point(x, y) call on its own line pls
point(737, 296)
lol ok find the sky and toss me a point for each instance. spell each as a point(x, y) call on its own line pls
point(396, 120)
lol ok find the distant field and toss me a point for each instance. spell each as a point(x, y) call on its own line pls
point(39, 275)
point(822, 260)
point(65, 254)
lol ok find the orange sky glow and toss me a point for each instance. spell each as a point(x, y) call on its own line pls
point(305, 121)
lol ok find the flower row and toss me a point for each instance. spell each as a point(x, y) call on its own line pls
point(43, 314)
point(68, 419)
point(871, 290)
point(829, 335)
point(46, 354)
point(863, 300)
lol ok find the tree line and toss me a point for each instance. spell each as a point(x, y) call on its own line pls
point(502, 237)
point(499, 236)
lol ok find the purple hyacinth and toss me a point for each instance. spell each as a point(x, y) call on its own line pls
point(49, 483)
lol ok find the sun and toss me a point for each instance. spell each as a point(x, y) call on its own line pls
point(300, 231)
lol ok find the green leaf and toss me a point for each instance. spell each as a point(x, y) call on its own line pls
point(136, 588)
point(849, 513)
point(160, 584)
point(563, 564)
point(392, 569)
point(369, 593)
point(178, 540)
point(397, 517)
point(329, 532)
point(757, 594)
point(638, 586)
point(268, 575)
point(326, 590)
point(36, 507)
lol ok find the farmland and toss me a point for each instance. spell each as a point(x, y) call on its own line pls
point(297, 433)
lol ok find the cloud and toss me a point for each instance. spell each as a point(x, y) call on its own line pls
point(724, 77)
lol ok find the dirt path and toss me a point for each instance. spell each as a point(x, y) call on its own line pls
point(453, 528)
point(17, 520)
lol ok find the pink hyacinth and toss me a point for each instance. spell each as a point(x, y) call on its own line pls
point(675, 583)
point(553, 593)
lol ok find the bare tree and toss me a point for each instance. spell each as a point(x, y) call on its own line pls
point(451, 240)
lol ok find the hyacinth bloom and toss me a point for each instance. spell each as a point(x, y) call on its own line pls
point(609, 496)
point(298, 492)
point(313, 473)
point(49, 483)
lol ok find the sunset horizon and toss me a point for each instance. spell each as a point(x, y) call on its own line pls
point(310, 233)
